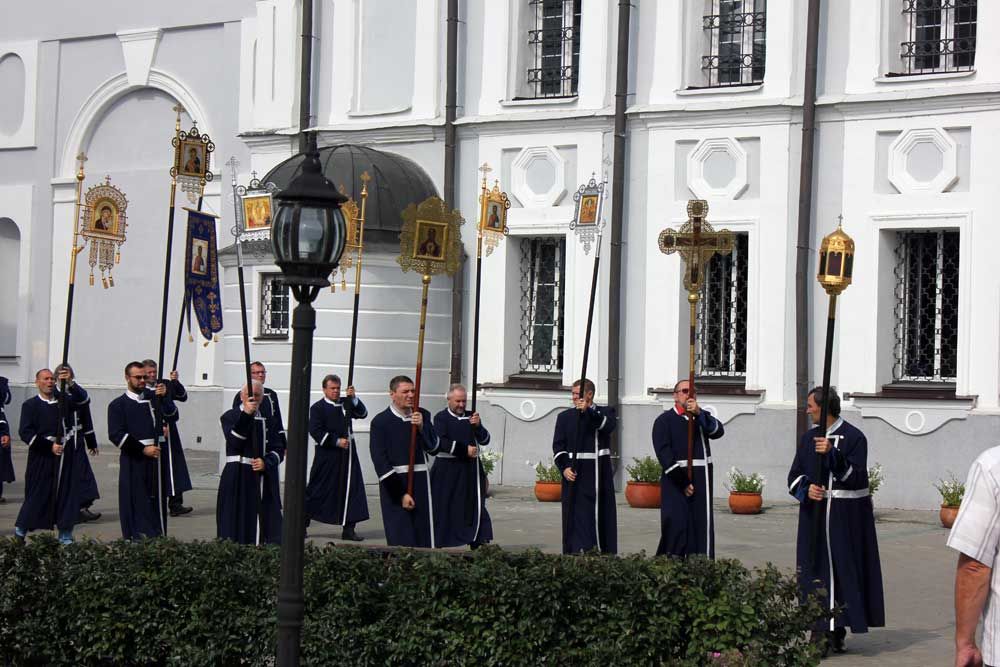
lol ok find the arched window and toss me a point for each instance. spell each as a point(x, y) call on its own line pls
point(10, 266)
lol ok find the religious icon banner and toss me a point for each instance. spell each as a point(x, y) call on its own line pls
point(103, 222)
point(201, 273)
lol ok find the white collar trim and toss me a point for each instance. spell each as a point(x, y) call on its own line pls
point(46, 400)
point(340, 404)
point(464, 417)
point(405, 418)
point(135, 397)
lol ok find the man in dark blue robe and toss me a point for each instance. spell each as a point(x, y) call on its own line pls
point(457, 479)
point(178, 478)
point(408, 519)
point(248, 505)
point(51, 484)
point(687, 521)
point(846, 562)
point(269, 407)
point(581, 447)
point(6, 458)
point(336, 490)
point(143, 473)
point(83, 423)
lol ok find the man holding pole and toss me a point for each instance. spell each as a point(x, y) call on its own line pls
point(457, 478)
point(407, 513)
point(844, 561)
point(177, 476)
point(82, 423)
point(336, 490)
point(142, 499)
point(687, 525)
point(581, 447)
point(51, 486)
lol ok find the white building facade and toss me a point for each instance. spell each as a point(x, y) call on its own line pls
point(907, 114)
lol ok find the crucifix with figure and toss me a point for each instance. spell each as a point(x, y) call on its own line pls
point(696, 242)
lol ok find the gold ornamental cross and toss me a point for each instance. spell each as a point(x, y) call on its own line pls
point(696, 242)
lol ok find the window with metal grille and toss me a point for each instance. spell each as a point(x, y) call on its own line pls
point(553, 69)
point(543, 278)
point(721, 336)
point(926, 347)
point(940, 36)
point(736, 38)
point(274, 306)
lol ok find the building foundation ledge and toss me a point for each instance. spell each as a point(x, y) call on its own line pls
point(912, 414)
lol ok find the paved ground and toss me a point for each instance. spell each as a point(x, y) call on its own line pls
point(918, 569)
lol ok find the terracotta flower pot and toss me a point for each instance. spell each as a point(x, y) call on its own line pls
point(948, 514)
point(744, 503)
point(643, 494)
point(548, 492)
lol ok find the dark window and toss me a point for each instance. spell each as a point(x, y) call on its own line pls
point(543, 277)
point(926, 306)
point(555, 48)
point(274, 306)
point(940, 36)
point(721, 344)
point(736, 33)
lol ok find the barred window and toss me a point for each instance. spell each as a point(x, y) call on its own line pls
point(735, 33)
point(543, 279)
point(926, 347)
point(274, 306)
point(721, 335)
point(940, 36)
point(554, 39)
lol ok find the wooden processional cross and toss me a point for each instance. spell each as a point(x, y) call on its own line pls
point(696, 242)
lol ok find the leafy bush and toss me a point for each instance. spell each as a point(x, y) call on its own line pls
point(876, 477)
point(741, 482)
point(164, 602)
point(646, 469)
point(488, 459)
point(952, 490)
point(544, 473)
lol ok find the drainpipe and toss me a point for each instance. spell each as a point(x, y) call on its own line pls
point(803, 283)
point(305, 75)
point(617, 216)
point(450, 112)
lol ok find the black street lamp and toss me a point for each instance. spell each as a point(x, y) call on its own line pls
point(308, 235)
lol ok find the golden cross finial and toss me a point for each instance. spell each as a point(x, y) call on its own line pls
point(178, 108)
point(696, 241)
point(364, 183)
point(80, 159)
point(840, 220)
point(485, 169)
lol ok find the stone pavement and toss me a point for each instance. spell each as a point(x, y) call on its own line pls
point(918, 569)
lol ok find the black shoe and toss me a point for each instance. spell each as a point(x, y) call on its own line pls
point(351, 536)
point(180, 510)
point(2, 500)
point(86, 515)
point(838, 640)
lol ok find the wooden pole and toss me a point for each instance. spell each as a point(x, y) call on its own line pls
point(416, 383)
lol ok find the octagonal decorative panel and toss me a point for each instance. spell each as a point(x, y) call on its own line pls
point(923, 160)
point(717, 168)
point(537, 176)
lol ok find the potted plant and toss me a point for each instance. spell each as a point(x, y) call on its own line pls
point(488, 459)
point(952, 491)
point(643, 488)
point(548, 482)
point(744, 491)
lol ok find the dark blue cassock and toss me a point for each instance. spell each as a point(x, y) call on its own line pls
point(84, 421)
point(389, 442)
point(458, 483)
point(269, 409)
point(6, 460)
point(241, 490)
point(848, 548)
point(589, 519)
point(336, 490)
point(38, 428)
point(687, 524)
point(178, 477)
point(142, 480)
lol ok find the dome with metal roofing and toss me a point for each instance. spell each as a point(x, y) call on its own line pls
point(396, 182)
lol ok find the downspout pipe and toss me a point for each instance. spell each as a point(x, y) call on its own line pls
point(617, 216)
point(803, 283)
point(450, 113)
point(305, 75)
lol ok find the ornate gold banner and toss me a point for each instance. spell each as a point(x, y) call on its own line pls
point(103, 223)
point(431, 240)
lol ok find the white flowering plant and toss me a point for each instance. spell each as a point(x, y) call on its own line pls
point(738, 481)
point(489, 459)
point(952, 490)
point(876, 477)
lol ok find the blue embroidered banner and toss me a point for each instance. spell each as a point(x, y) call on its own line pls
point(201, 273)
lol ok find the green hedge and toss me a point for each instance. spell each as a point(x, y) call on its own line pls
point(213, 603)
